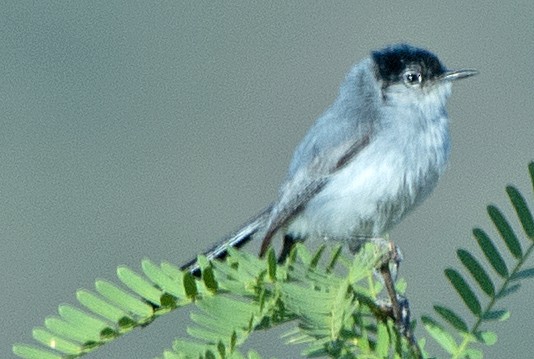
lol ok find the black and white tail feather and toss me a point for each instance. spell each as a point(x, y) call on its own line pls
point(236, 239)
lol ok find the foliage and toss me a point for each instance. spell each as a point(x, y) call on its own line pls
point(459, 338)
point(331, 297)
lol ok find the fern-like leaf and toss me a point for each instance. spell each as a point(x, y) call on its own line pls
point(112, 311)
point(327, 305)
point(477, 271)
point(506, 231)
point(451, 317)
point(464, 290)
point(509, 284)
point(491, 252)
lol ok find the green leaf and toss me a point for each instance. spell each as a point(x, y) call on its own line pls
point(521, 208)
point(109, 333)
point(472, 353)
point(382, 340)
point(452, 318)
point(30, 352)
point(172, 271)
point(508, 290)
point(246, 266)
point(168, 301)
point(500, 315)
point(203, 261)
point(65, 330)
point(167, 354)
point(486, 337)
point(253, 355)
point(523, 274)
point(334, 258)
point(56, 342)
point(189, 348)
point(302, 253)
point(210, 355)
point(363, 342)
point(126, 324)
point(209, 279)
point(139, 285)
point(190, 286)
point(317, 257)
point(123, 299)
point(233, 340)
point(221, 349)
point(271, 261)
point(506, 231)
point(440, 335)
point(491, 252)
point(464, 290)
point(89, 325)
point(220, 318)
point(477, 271)
point(99, 306)
point(171, 285)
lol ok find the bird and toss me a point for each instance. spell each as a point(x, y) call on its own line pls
point(375, 154)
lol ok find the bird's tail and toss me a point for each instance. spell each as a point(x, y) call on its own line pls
point(236, 239)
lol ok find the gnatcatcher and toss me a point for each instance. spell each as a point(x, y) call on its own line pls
point(375, 154)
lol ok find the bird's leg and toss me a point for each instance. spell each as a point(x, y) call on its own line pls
point(393, 258)
point(390, 261)
point(392, 293)
point(400, 307)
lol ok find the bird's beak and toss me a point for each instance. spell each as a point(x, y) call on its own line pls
point(452, 75)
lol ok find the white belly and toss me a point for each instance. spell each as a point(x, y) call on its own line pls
point(371, 194)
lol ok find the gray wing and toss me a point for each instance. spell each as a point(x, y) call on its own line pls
point(302, 187)
point(335, 139)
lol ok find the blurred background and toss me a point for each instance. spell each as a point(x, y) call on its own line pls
point(150, 129)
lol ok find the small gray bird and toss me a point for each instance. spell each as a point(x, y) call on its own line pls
point(375, 154)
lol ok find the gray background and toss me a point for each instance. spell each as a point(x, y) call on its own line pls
point(149, 129)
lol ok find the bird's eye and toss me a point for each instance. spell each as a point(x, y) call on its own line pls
point(413, 78)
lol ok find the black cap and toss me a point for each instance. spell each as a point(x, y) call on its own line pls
point(392, 62)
